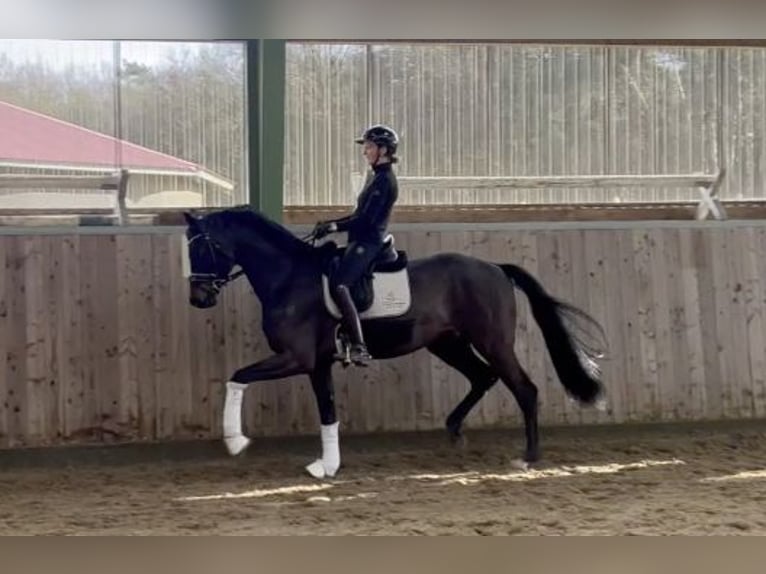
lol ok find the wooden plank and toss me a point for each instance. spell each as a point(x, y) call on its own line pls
point(753, 295)
point(5, 335)
point(738, 350)
point(680, 365)
point(723, 285)
point(89, 287)
point(16, 364)
point(702, 242)
point(99, 271)
point(128, 315)
point(759, 304)
point(651, 408)
point(70, 344)
point(694, 385)
point(106, 326)
point(135, 335)
point(53, 248)
point(617, 311)
point(164, 382)
point(664, 344)
point(144, 325)
point(630, 353)
point(370, 409)
point(180, 354)
point(36, 356)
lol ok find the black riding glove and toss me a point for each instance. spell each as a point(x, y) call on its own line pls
point(324, 228)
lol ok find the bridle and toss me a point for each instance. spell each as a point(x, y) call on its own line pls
point(216, 281)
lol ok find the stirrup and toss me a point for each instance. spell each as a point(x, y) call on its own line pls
point(359, 355)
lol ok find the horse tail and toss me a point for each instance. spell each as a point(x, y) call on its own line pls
point(572, 346)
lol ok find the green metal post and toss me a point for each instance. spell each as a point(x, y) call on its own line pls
point(266, 124)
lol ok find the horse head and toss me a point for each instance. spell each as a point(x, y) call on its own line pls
point(210, 262)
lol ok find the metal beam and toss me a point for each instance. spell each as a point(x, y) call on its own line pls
point(265, 124)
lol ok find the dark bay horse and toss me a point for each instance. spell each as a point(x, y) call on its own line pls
point(463, 310)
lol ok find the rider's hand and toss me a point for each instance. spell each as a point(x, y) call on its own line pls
point(324, 228)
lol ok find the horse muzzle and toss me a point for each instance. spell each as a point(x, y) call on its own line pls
point(203, 296)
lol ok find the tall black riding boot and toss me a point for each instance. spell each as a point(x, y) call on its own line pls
point(359, 353)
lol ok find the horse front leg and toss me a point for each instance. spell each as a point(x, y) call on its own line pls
point(274, 367)
point(321, 382)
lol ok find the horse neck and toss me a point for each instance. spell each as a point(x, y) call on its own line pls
point(269, 267)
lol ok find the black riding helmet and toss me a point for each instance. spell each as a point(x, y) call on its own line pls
point(381, 135)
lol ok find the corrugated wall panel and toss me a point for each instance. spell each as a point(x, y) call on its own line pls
point(494, 109)
point(326, 105)
point(662, 112)
point(744, 103)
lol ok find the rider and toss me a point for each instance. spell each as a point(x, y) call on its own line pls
point(366, 228)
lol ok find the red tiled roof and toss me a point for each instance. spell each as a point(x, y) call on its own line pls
point(29, 138)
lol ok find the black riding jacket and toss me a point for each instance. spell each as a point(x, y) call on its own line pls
point(368, 222)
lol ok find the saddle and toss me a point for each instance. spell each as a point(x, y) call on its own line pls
point(383, 290)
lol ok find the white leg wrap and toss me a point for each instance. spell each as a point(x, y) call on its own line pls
point(330, 462)
point(235, 441)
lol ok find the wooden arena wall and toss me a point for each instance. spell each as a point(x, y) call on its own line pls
point(99, 343)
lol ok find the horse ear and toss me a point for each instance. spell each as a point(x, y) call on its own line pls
point(191, 220)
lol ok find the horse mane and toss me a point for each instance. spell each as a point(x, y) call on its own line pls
point(250, 220)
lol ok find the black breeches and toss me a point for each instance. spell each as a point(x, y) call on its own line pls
point(356, 261)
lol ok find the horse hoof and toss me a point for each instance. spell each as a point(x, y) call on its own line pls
point(459, 441)
point(236, 444)
point(317, 469)
point(519, 464)
point(456, 438)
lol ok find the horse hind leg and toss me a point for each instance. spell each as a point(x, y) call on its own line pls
point(516, 379)
point(458, 353)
